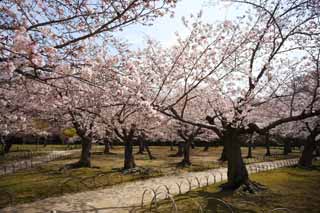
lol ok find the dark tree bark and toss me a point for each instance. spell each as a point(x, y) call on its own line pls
point(127, 138)
point(151, 157)
point(7, 146)
point(317, 149)
point(192, 145)
point(237, 172)
point(141, 146)
point(223, 156)
point(106, 146)
point(144, 145)
point(287, 147)
point(206, 147)
point(171, 146)
point(180, 150)
point(85, 157)
point(249, 151)
point(188, 136)
point(85, 133)
point(129, 162)
point(250, 147)
point(307, 153)
point(309, 147)
point(267, 142)
point(186, 155)
point(2, 144)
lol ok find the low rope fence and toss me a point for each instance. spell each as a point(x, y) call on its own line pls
point(31, 162)
point(193, 182)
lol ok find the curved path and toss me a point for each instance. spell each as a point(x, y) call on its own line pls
point(124, 197)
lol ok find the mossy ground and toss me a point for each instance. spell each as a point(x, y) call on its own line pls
point(47, 181)
point(292, 188)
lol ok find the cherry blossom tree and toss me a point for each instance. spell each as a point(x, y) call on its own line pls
point(55, 43)
point(38, 36)
point(245, 65)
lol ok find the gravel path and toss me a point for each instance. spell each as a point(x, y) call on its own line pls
point(124, 197)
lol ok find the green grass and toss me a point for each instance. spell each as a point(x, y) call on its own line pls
point(18, 156)
point(26, 151)
point(292, 188)
point(47, 180)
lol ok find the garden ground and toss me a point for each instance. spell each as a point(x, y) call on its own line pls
point(47, 181)
point(292, 188)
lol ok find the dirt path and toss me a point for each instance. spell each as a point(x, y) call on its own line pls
point(127, 196)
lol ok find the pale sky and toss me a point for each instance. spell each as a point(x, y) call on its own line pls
point(163, 28)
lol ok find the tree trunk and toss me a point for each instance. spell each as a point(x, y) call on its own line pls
point(2, 144)
point(85, 158)
point(206, 147)
point(180, 150)
point(249, 150)
point(317, 151)
point(307, 153)
point(171, 146)
point(7, 147)
point(268, 153)
point(237, 172)
point(141, 147)
point(253, 145)
point(223, 156)
point(192, 145)
point(6, 144)
point(106, 146)
point(128, 156)
point(186, 155)
point(146, 146)
point(287, 148)
point(250, 144)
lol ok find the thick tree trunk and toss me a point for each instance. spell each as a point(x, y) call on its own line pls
point(223, 156)
point(85, 157)
point(237, 172)
point(128, 156)
point(268, 153)
point(307, 153)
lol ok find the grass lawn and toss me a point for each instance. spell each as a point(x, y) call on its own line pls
point(26, 151)
point(41, 147)
point(47, 181)
point(18, 156)
point(292, 188)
